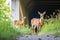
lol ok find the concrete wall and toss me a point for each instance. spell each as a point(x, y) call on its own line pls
point(15, 9)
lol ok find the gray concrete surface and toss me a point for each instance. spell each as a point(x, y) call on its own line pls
point(39, 37)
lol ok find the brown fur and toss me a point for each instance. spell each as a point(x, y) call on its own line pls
point(19, 22)
point(38, 22)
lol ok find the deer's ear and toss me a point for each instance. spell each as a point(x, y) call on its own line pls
point(39, 13)
point(44, 12)
point(24, 17)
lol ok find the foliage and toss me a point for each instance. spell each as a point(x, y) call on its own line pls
point(7, 30)
point(53, 26)
point(2, 1)
point(6, 27)
point(23, 29)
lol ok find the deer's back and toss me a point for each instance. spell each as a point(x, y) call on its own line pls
point(18, 22)
point(35, 21)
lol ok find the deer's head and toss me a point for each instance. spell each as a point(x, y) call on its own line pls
point(42, 14)
point(24, 18)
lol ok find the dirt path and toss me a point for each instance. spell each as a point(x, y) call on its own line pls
point(39, 37)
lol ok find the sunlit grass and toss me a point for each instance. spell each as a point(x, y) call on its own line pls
point(6, 30)
point(24, 29)
point(53, 26)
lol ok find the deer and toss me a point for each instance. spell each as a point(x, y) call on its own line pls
point(37, 23)
point(19, 22)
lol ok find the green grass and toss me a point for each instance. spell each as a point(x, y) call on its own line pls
point(23, 29)
point(53, 26)
point(6, 30)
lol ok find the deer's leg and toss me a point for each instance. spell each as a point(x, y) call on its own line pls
point(36, 29)
point(32, 27)
point(39, 28)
